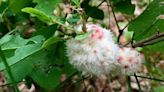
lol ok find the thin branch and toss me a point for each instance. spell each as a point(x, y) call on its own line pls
point(148, 40)
point(150, 78)
point(10, 83)
point(139, 87)
point(110, 4)
point(120, 30)
point(100, 3)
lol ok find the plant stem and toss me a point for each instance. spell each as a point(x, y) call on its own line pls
point(129, 84)
point(110, 4)
point(65, 26)
point(139, 87)
point(83, 16)
point(9, 71)
point(148, 40)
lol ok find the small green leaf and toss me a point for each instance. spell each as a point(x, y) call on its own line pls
point(158, 89)
point(77, 2)
point(47, 6)
point(37, 13)
point(73, 19)
point(128, 35)
point(92, 11)
point(51, 41)
point(83, 36)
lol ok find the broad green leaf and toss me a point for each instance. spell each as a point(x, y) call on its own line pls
point(147, 23)
point(16, 5)
point(124, 6)
point(14, 42)
point(52, 65)
point(22, 53)
point(46, 6)
point(83, 36)
point(22, 68)
point(51, 41)
point(37, 13)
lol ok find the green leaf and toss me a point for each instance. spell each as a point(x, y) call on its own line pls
point(15, 41)
point(124, 6)
point(37, 13)
point(73, 19)
point(16, 5)
point(158, 46)
point(77, 2)
point(46, 31)
point(128, 35)
point(92, 11)
point(83, 36)
point(5, 39)
point(147, 24)
point(46, 6)
point(51, 41)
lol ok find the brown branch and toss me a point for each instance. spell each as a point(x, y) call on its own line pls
point(148, 41)
point(150, 78)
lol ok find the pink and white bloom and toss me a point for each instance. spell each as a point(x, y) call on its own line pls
point(95, 54)
point(129, 60)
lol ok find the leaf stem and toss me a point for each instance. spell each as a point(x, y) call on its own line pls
point(129, 84)
point(9, 71)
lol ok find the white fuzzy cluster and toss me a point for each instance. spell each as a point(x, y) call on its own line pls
point(129, 60)
point(98, 54)
point(95, 54)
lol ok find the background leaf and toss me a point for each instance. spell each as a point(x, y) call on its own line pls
point(16, 7)
point(124, 6)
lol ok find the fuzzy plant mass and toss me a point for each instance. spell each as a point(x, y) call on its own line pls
point(98, 53)
point(129, 60)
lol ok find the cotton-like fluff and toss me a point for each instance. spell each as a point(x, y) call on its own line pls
point(129, 60)
point(95, 54)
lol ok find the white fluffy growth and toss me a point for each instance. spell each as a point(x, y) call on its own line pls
point(95, 54)
point(129, 60)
